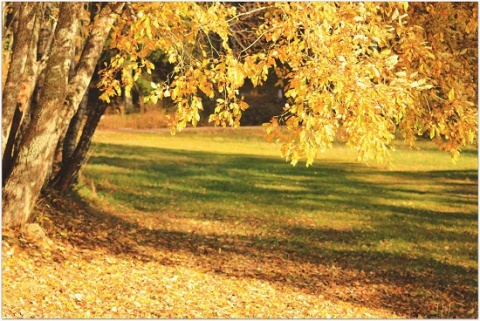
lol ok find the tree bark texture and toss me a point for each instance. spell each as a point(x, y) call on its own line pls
point(9, 25)
point(68, 139)
point(58, 102)
point(67, 142)
point(29, 169)
point(69, 172)
point(74, 129)
point(22, 37)
point(44, 43)
point(79, 83)
point(32, 70)
point(92, 50)
point(58, 156)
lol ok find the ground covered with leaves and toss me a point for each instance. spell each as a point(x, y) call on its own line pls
point(172, 231)
point(96, 266)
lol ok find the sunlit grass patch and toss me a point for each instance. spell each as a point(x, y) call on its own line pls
point(197, 175)
point(213, 223)
point(419, 218)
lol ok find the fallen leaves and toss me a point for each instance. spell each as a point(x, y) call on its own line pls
point(107, 267)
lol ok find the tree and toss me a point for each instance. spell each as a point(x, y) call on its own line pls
point(59, 99)
point(359, 72)
point(22, 35)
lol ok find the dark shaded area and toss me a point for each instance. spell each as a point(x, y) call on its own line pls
point(265, 101)
point(407, 284)
point(318, 187)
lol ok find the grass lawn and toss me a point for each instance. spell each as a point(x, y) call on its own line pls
point(213, 223)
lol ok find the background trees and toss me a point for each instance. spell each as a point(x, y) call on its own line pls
point(362, 73)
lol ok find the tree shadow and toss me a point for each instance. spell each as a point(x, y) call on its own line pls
point(408, 286)
point(217, 177)
point(351, 269)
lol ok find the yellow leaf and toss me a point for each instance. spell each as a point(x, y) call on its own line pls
point(392, 60)
point(105, 97)
point(172, 58)
point(451, 95)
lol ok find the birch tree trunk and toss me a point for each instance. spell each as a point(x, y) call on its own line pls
point(59, 150)
point(88, 60)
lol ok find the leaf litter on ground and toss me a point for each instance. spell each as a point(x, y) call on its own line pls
point(94, 264)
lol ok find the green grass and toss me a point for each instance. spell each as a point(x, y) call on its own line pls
point(414, 225)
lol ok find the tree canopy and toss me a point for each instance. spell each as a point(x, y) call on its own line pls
point(362, 73)
point(359, 72)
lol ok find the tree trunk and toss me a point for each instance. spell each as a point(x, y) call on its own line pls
point(10, 23)
point(32, 70)
point(22, 38)
point(73, 129)
point(90, 55)
point(43, 49)
point(71, 135)
point(67, 142)
point(57, 104)
point(59, 155)
point(69, 172)
point(79, 83)
point(22, 187)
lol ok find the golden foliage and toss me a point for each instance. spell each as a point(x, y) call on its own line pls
point(363, 73)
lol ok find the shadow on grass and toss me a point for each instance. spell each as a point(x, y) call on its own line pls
point(408, 286)
point(338, 264)
point(331, 187)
